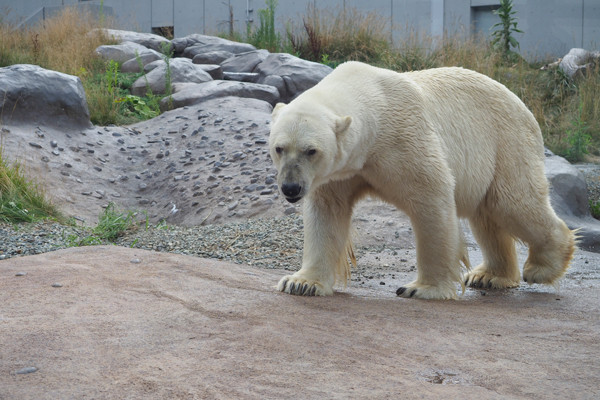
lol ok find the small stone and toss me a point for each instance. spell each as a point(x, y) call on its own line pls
point(26, 370)
point(136, 261)
point(57, 285)
point(55, 152)
point(45, 159)
point(21, 273)
point(36, 145)
point(2, 256)
point(53, 143)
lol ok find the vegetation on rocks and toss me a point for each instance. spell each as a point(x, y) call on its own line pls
point(22, 200)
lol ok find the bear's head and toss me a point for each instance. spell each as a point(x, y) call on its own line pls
point(304, 146)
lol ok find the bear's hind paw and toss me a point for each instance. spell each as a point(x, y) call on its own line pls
point(484, 280)
point(302, 287)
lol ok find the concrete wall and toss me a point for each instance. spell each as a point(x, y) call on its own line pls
point(551, 27)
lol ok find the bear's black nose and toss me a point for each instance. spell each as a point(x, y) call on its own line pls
point(290, 189)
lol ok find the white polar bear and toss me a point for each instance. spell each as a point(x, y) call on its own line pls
point(440, 145)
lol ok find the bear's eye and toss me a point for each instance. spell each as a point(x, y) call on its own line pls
point(278, 150)
point(311, 152)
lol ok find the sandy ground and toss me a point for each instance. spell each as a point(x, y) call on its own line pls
point(117, 323)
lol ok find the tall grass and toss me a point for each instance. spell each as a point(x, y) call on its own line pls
point(340, 35)
point(22, 200)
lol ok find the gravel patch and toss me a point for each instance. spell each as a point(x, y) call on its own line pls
point(266, 243)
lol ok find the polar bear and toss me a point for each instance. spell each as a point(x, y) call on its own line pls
point(439, 144)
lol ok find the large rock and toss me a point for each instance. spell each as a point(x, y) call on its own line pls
point(149, 40)
point(30, 94)
point(181, 69)
point(244, 62)
point(569, 198)
point(204, 43)
point(190, 94)
point(289, 74)
point(145, 58)
point(212, 57)
point(576, 61)
point(121, 52)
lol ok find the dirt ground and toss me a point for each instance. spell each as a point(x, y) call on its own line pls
point(114, 323)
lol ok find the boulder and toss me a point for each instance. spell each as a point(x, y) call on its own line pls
point(576, 61)
point(121, 52)
point(213, 70)
point(190, 94)
point(212, 57)
point(182, 70)
point(244, 62)
point(34, 95)
point(289, 74)
point(209, 43)
point(149, 40)
point(569, 198)
point(146, 58)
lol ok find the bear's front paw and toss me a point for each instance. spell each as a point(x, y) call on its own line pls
point(482, 278)
point(303, 287)
point(428, 292)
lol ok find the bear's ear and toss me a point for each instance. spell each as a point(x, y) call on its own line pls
point(276, 111)
point(342, 124)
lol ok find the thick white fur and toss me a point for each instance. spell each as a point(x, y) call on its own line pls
point(439, 144)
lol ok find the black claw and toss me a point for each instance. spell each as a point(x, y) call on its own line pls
point(489, 285)
point(467, 282)
point(304, 288)
point(284, 285)
point(312, 291)
point(413, 293)
point(525, 279)
point(400, 291)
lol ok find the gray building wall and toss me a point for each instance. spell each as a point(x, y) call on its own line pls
point(551, 27)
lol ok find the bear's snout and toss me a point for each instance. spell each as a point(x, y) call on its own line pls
point(291, 191)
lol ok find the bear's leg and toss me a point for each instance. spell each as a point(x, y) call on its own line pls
point(499, 268)
point(439, 252)
point(327, 218)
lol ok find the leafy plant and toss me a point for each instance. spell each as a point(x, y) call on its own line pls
point(140, 107)
point(578, 139)
point(502, 37)
point(265, 37)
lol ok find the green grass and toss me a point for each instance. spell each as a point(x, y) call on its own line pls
point(112, 224)
point(22, 200)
